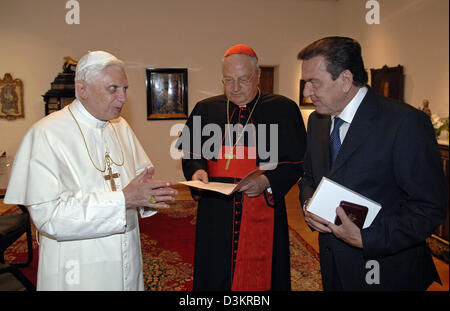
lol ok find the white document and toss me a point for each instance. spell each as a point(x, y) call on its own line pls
point(227, 188)
point(221, 187)
point(329, 194)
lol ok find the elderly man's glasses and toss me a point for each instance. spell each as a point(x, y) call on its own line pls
point(240, 81)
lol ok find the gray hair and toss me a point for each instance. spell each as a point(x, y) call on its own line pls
point(253, 59)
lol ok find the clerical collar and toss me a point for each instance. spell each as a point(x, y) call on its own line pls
point(89, 118)
point(250, 104)
point(350, 110)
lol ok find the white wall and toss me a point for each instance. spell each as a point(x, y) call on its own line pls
point(195, 34)
point(412, 33)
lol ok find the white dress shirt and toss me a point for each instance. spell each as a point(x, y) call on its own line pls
point(348, 113)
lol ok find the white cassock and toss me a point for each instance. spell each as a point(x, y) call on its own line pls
point(88, 239)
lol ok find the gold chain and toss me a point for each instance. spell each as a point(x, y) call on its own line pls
point(228, 119)
point(108, 159)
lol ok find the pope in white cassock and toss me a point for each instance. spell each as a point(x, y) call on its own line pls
point(85, 177)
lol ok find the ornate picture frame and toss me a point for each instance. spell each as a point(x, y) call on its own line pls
point(11, 98)
point(167, 93)
point(388, 82)
point(304, 101)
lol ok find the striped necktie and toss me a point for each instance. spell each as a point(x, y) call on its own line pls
point(335, 140)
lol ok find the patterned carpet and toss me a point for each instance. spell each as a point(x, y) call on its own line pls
point(168, 250)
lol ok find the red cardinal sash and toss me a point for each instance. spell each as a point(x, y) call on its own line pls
point(253, 265)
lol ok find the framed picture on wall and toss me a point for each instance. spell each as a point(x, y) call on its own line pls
point(11, 98)
point(167, 93)
point(388, 82)
point(304, 101)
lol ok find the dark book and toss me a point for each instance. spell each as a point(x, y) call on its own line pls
point(357, 213)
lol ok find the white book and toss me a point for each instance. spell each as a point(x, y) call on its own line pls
point(329, 194)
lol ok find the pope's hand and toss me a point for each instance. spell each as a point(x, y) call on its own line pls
point(144, 191)
point(255, 186)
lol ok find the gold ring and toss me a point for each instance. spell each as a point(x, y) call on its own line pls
point(152, 199)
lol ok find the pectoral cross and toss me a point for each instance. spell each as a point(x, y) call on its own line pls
point(229, 156)
point(111, 177)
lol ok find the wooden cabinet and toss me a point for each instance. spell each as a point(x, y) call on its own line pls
point(442, 231)
point(62, 90)
point(440, 239)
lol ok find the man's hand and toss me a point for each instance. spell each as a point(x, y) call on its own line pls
point(142, 190)
point(347, 231)
point(316, 222)
point(256, 186)
point(201, 175)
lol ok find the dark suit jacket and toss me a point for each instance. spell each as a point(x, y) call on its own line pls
point(389, 155)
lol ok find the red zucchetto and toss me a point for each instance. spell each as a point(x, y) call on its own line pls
point(240, 49)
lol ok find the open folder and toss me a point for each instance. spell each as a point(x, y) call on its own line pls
point(328, 196)
point(227, 188)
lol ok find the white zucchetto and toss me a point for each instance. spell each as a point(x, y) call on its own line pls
point(95, 58)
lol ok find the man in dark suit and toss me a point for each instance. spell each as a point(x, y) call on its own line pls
point(384, 150)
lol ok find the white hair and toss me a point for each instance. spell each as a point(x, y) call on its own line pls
point(89, 73)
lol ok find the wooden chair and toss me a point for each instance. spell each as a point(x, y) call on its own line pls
point(12, 279)
point(12, 227)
